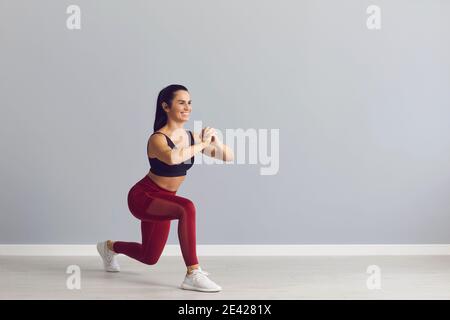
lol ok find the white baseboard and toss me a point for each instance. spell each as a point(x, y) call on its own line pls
point(242, 250)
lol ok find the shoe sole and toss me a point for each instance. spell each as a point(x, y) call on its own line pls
point(103, 259)
point(189, 287)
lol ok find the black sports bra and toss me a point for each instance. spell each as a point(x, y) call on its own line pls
point(163, 169)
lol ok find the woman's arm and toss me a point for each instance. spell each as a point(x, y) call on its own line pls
point(216, 149)
point(163, 152)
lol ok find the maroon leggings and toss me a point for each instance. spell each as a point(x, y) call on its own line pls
point(156, 207)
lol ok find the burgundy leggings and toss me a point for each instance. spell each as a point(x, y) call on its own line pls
point(156, 207)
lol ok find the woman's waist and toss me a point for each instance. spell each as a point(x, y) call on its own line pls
point(167, 184)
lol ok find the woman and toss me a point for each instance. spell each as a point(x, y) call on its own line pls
point(153, 200)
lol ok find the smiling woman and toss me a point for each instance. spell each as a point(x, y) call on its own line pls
point(171, 150)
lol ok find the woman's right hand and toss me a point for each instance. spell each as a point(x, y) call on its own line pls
point(208, 134)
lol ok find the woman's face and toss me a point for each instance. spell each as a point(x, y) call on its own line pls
point(181, 107)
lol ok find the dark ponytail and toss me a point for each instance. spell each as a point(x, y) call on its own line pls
point(165, 95)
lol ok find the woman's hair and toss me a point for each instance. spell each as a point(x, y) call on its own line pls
point(165, 95)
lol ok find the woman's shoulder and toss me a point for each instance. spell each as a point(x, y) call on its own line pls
point(157, 136)
point(156, 141)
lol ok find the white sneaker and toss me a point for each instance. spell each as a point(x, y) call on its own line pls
point(109, 257)
point(199, 281)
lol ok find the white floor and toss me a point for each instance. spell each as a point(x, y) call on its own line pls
point(307, 277)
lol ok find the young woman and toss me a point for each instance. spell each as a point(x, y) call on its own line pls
point(153, 200)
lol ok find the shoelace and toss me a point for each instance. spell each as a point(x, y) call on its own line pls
point(199, 270)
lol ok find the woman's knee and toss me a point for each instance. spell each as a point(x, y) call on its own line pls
point(188, 208)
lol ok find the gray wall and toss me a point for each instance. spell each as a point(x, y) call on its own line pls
point(363, 117)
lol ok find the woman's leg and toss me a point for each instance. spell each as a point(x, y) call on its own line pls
point(153, 208)
point(154, 237)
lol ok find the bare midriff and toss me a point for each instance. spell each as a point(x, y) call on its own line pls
point(168, 183)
